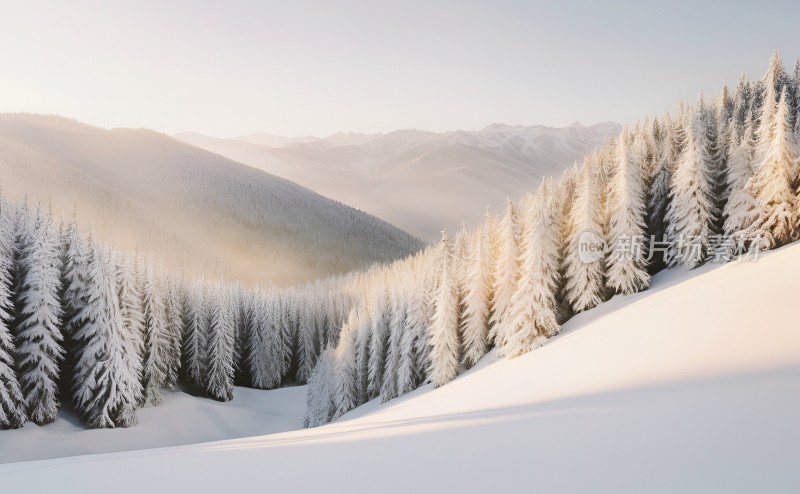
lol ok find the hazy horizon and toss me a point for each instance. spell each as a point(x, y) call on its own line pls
point(315, 69)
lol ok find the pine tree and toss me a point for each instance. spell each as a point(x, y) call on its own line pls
point(389, 388)
point(584, 288)
point(38, 337)
point(378, 343)
point(741, 210)
point(345, 387)
point(411, 367)
point(658, 201)
point(307, 348)
point(173, 311)
point(195, 336)
point(264, 355)
point(506, 269)
point(73, 286)
point(475, 324)
point(12, 405)
point(444, 338)
point(106, 386)
point(131, 311)
point(220, 352)
point(690, 215)
point(158, 344)
point(626, 261)
point(533, 315)
point(772, 184)
point(321, 405)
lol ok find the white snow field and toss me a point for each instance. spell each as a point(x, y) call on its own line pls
point(691, 386)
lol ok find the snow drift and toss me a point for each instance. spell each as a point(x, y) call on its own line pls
point(690, 386)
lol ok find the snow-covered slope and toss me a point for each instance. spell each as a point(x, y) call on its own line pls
point(417, 180)
point(200, 211)
point(691, 386)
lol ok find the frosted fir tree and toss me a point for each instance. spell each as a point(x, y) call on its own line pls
point(220, 352)
point(658, 199)
point(345, 392)
point(195, 337)
point(410, 370)
point(475, 323)
point(131, 311)
point(533, 317)
point(106, 386)
point(626, 270)
point(378, 343)
point(506, 269)
point(12, 405)
point(363, 337)
point(264, 353)
point(718, 135)
point(173, 310)
point(38, 336)
point(585, 284)
point(398, 297)
point(772, 184)
point(288, 333)
point(690, 216)
point(741, 210)
point(307, 347)
point(158, 343)
point(73, 287)
point(321, 405)
point(444, 338)
point(742, 105)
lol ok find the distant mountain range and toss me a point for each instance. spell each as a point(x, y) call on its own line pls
point(198, 211)
point(420, 181)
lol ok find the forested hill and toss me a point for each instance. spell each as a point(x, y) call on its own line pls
point(201, 212)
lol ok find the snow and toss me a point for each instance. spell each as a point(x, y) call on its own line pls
point(179, 419)
point(690, 386)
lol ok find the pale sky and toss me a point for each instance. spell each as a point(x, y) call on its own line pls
point(294, 67)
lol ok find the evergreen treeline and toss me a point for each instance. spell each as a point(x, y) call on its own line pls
point(103, 333)
point(707, 183)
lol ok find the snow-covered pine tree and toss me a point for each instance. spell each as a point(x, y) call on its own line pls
point(363, 337)
point(658, 199)
point(585, 285)
point(264, 356)
point(626, 263)
point(195, 336)
point(73, 286)
point(158, 343)
point(307, 347)
point(690, 215)
point(444, 338)
point(173, 311)
point(345, 390)
point(12, 405)
point(776, 173)
point(397, 314)
point(219, 353)
point(379, 338)
point(106, 385)
point(718, 135)
point(321, 405)
point(38, 336)
point(741, 210)
point(411, 366)
point(288, 331)
point(131, 311)
point(506, 269)
point(475, 323)
point(532, 315)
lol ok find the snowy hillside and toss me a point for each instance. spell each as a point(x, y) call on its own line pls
point(140, 189)
point(704, 397)
point(417, 180)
